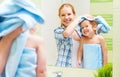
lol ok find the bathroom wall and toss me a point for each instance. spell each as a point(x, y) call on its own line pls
point(49, 9)
point(111, 12)
point(116, 38)
point(104, 8)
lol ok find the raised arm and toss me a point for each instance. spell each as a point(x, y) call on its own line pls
point(71, 28)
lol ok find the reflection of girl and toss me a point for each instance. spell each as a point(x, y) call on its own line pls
point(92, 46)
point(65, 38)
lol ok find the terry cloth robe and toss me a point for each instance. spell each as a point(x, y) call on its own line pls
point(17, 13)
point(92, 56)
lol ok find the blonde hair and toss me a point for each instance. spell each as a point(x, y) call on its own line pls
point(64, 5)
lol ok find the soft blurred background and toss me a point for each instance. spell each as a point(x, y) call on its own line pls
point(109, 9)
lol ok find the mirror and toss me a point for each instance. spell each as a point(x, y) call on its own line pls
point(53, 21)
point(50, 11)
point(95, 7)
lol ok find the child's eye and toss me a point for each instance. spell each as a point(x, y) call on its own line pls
point(86, 26)
point(82, 27)
point(69, 13)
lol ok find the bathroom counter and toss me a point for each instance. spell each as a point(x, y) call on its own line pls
point(69, 72)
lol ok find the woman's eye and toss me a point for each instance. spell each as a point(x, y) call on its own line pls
point(63, 15)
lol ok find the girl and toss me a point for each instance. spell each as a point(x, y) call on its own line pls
point(33, 60)
point(92, 50)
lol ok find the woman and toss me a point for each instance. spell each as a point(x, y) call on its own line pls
point(67, 37)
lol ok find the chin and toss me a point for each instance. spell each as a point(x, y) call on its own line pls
point(86, 35)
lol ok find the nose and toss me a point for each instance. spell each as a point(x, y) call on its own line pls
point(84, 28)
point(66, 16)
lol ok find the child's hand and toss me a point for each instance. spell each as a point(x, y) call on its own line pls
point(78, 63)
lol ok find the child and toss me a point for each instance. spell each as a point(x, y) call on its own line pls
point(92, 50)
point(33, 60)
point(34, 52)
point(22, 60)
point(5, 45)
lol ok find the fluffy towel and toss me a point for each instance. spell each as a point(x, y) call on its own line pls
point(17, 13)
point(103, 26)
point(27, 65)
point(92, 56)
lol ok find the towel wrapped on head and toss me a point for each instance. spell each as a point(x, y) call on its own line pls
point(24, 10)
point(102, 27)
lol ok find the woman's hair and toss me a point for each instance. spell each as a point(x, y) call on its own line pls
point(66, 5)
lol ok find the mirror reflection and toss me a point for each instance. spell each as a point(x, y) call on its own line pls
point(52, 26)
point(76, 41)
point(53, 21)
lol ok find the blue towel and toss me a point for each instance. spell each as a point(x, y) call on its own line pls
point(27, 65)
point(92, 56)
point(103, 26)
point(17, 13)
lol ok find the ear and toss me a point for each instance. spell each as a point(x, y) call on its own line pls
point(94, 28)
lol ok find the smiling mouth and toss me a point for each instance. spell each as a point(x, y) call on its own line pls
point(85, 32)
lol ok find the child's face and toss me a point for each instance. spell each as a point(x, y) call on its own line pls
point(66, 15)
point(86, 28)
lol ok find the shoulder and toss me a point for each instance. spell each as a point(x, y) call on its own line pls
point(82, 39)
point(36, 38)
point(101, 38)
point(59, 29)
point(34, 41)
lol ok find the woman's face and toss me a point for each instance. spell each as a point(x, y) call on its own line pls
point(66, 15)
